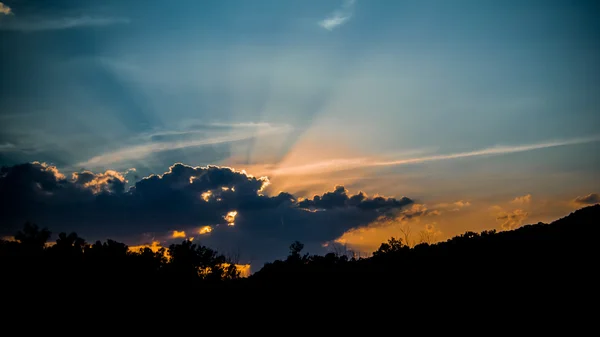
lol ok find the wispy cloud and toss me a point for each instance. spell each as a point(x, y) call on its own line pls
point(339, 16)
point(140, 151)
point(525, 199)
point(43, 24)
point(512, 220)
point(590, 199)
point(7, 147)
point(354, 163)
point(488, 151)
point(4, 9)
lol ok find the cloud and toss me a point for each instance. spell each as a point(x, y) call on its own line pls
point(44, 24)
point(178, 234)
point(417, 211)
point(109, 181)
point(5, 147)
point(407, 224)
point(204, 230)
point(590, 199)
point(511, 220)
point(354, 163)
point(339, 16)
point(180, 139)
point(224, 206)
point(526, 199)
point(453, 207)
point(4, 9)
point(339, 198)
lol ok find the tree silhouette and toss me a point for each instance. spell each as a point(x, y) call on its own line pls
point(190, 261)
point(32, 237)
point(68, 245)
point(295, 248)
point(392, 246)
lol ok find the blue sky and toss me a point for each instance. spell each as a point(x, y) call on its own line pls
point(390, 97)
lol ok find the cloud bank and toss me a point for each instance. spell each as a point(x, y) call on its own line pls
point(221, 206)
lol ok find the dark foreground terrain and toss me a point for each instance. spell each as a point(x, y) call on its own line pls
point(553, 262)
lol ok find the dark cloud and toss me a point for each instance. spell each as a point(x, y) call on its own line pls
point(339, 198)
point(185, 198)
point(590, 199)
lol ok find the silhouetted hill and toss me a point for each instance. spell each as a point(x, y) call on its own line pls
point(533, 255)
point(535, 260)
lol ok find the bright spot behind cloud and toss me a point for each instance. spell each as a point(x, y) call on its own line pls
point(230, 218)
point(155, 247)
point(178, 234)
point(206, 195)
point(205, 230)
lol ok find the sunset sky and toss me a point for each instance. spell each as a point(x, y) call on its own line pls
point(436, 117)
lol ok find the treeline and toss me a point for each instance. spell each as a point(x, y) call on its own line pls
point(70, 260)
point(539, 254)
point(532, 254)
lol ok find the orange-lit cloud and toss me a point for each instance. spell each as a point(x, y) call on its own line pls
point(454, 206)
point(50, 168)
point(206, 195)
point(99, 182)
point(526, 199)
point(407, 225)
point(230, 218)
point(205, 230)
point(178, 234)
point(4, 9)
point(512, 220)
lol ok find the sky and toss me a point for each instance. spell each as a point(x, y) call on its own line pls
point(249, 124)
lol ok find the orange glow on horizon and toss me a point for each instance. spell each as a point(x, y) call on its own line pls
point(244, 269)
point(155, 246)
